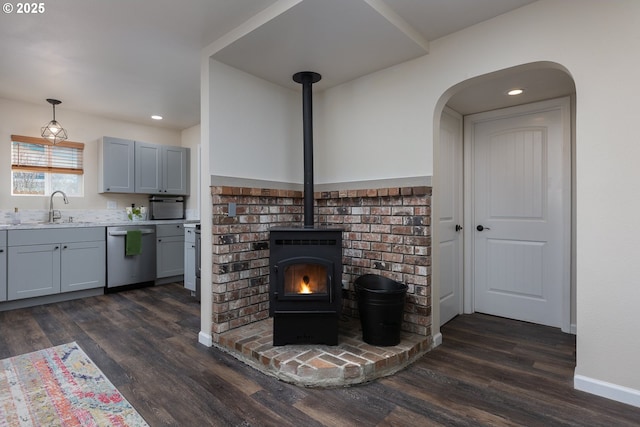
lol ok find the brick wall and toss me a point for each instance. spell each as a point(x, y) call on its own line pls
point(386, 231)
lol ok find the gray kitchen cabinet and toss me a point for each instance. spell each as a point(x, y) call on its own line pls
point(175, 170)
point(50, 261)
point(116, 165)
point(161, 169)
point(190, 258)
point(83, 265)
point(169, 250)
point(148, 168)
point(3, 265)
point(34, 271)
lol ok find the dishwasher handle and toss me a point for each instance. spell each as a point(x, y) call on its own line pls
point(124, 233)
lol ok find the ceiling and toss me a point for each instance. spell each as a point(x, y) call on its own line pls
point(538, 81)
point(127, 60)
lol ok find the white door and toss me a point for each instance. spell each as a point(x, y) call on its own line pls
point(450, 215)
point(520, 217)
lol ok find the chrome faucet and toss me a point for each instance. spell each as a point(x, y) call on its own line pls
point(55, 214)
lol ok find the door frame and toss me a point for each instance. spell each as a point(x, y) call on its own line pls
point(459, 212)
point(564, 106)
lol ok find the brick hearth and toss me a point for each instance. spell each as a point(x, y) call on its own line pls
point(351, 362)
point(386, 231)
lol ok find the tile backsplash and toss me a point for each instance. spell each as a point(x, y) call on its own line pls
point(78, 215)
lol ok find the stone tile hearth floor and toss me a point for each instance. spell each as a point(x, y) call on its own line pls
point(351, 362)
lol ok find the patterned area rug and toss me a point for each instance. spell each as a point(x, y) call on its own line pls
point(60, 386)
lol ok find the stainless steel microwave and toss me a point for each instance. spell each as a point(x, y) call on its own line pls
point(166, 207)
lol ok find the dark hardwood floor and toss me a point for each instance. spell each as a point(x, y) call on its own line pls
point(489, 371)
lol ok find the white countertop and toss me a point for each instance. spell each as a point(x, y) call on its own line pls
point(35, 225)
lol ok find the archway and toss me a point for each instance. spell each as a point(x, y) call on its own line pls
point(541, 81)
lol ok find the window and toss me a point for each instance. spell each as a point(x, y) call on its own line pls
point(38, 167)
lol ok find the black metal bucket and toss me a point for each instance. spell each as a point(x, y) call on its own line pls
point(381, 306)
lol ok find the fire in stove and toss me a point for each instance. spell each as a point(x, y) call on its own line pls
point(305, 279)
point(304, 286)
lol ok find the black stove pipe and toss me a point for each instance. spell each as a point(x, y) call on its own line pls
point(307, 78)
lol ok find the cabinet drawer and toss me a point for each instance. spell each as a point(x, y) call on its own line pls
point(55, 235)
point(167, 230)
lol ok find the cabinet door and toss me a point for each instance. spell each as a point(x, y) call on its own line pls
point(3, 273)
point(190, 264)
point(116, 165)
point(148, 168)
point(175, 170)
point(82, 266)
point(170, 256)
point(33, 271)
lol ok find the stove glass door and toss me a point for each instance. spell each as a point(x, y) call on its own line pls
point(306, 279)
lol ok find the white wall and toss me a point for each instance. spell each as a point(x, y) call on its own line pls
point(596, 41)
point(255, 129)
point(190, 138)
point(19, 118)
point(382, 126)
point(376, 127)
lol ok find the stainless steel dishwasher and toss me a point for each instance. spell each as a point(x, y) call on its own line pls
point(123, 269)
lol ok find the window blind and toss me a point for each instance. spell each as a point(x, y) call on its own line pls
point(30, 154)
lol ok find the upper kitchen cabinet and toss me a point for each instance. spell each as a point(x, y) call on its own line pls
point(116, 165)
point(127, 166)
point(161, 169)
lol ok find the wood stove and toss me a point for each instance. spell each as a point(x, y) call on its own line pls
point(305, 280)
point(305, 285)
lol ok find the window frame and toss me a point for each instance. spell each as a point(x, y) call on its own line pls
point(51, 164)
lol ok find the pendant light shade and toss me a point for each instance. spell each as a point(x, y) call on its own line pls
point(54, 131)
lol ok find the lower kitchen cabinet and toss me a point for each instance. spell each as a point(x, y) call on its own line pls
point(169, 250)
point(50, 261)
point(34, 271)
point(82, 266)
point(190, 258)
point(3, 265)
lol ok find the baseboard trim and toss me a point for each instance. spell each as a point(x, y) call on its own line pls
point(608, 390)
point(205, 339)
point(437, 340)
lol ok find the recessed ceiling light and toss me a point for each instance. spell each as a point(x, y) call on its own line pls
point(156, 117)
point(514, 92)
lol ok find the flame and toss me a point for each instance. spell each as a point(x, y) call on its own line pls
point(304, 286)
point(304, 289)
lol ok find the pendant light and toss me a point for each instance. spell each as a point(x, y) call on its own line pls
point(53, 131)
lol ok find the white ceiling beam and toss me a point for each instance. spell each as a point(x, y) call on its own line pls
point(390, 15)
point(250, 25)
